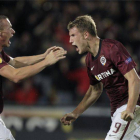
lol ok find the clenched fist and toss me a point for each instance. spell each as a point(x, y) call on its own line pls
point(68, 118)
point(127, 116)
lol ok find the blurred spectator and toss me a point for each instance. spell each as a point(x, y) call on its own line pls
point(44, 24)
point(27, 94)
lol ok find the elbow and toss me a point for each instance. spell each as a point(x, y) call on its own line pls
point(16, 80)
point(99, 92)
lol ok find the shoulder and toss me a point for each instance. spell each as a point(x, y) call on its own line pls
point(110, 43)
point(113, 45)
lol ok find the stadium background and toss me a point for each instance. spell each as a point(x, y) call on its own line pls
point(33, 107)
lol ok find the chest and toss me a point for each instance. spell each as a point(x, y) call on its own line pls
point(102, 68)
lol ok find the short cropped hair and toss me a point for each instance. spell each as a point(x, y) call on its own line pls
point(84, 23)
point(1, 18)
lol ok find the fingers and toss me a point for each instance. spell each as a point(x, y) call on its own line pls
point(127, 116)
point(49, 50)
point(57, 51)
point(58, 48)
point(60, 53)
point(123, 115)
point(64, 120)
point(52, 48)
point(62, 57)
point(67, 123)
point(55, 56)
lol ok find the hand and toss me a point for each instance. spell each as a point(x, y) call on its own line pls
point(68, 118)
point(127, 116)
point(55, 55)
point(52, 48)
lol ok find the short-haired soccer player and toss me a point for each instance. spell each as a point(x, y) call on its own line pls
point(109, 65)
point(16, 69)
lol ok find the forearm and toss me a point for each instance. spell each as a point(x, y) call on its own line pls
point(17, 74)
point(134, 90)
point(27, 60)
point(89, 99)
point(24, 72)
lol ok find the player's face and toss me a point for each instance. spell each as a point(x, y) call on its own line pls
point(77, 40)
point(6, 33)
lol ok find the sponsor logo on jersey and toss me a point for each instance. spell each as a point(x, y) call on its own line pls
point(103, 60)
point(128, 60)
point(0, 60)
point(105, 74)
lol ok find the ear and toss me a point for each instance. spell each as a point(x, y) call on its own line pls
point(86, 35)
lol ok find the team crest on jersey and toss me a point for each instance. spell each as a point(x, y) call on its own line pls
point(0, 60)
point(103, 60)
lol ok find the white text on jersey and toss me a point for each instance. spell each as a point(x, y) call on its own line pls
point(105, 74)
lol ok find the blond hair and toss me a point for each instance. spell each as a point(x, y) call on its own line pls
point(84, 23)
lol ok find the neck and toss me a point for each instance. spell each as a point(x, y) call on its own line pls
point(94, 45)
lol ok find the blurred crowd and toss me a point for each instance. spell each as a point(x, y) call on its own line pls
point(41, 24)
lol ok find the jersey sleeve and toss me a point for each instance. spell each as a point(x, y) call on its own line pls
point(121, 58)
point(5, 57)
point(92, 79)
point(2, 62)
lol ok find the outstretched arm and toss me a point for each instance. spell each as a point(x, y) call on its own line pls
point(18, 62)
point(90, 98)
point(18, 74)
point(134, 90)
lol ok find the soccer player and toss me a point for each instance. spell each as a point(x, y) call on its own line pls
point(16, 69)
point(109, 65)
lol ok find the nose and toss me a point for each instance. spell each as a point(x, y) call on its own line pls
point(13, 31)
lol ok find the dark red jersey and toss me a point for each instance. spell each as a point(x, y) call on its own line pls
point(4, 59)
point(109, 67)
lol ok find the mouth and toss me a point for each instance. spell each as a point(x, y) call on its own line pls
point(76, 48)
point(9, 42)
